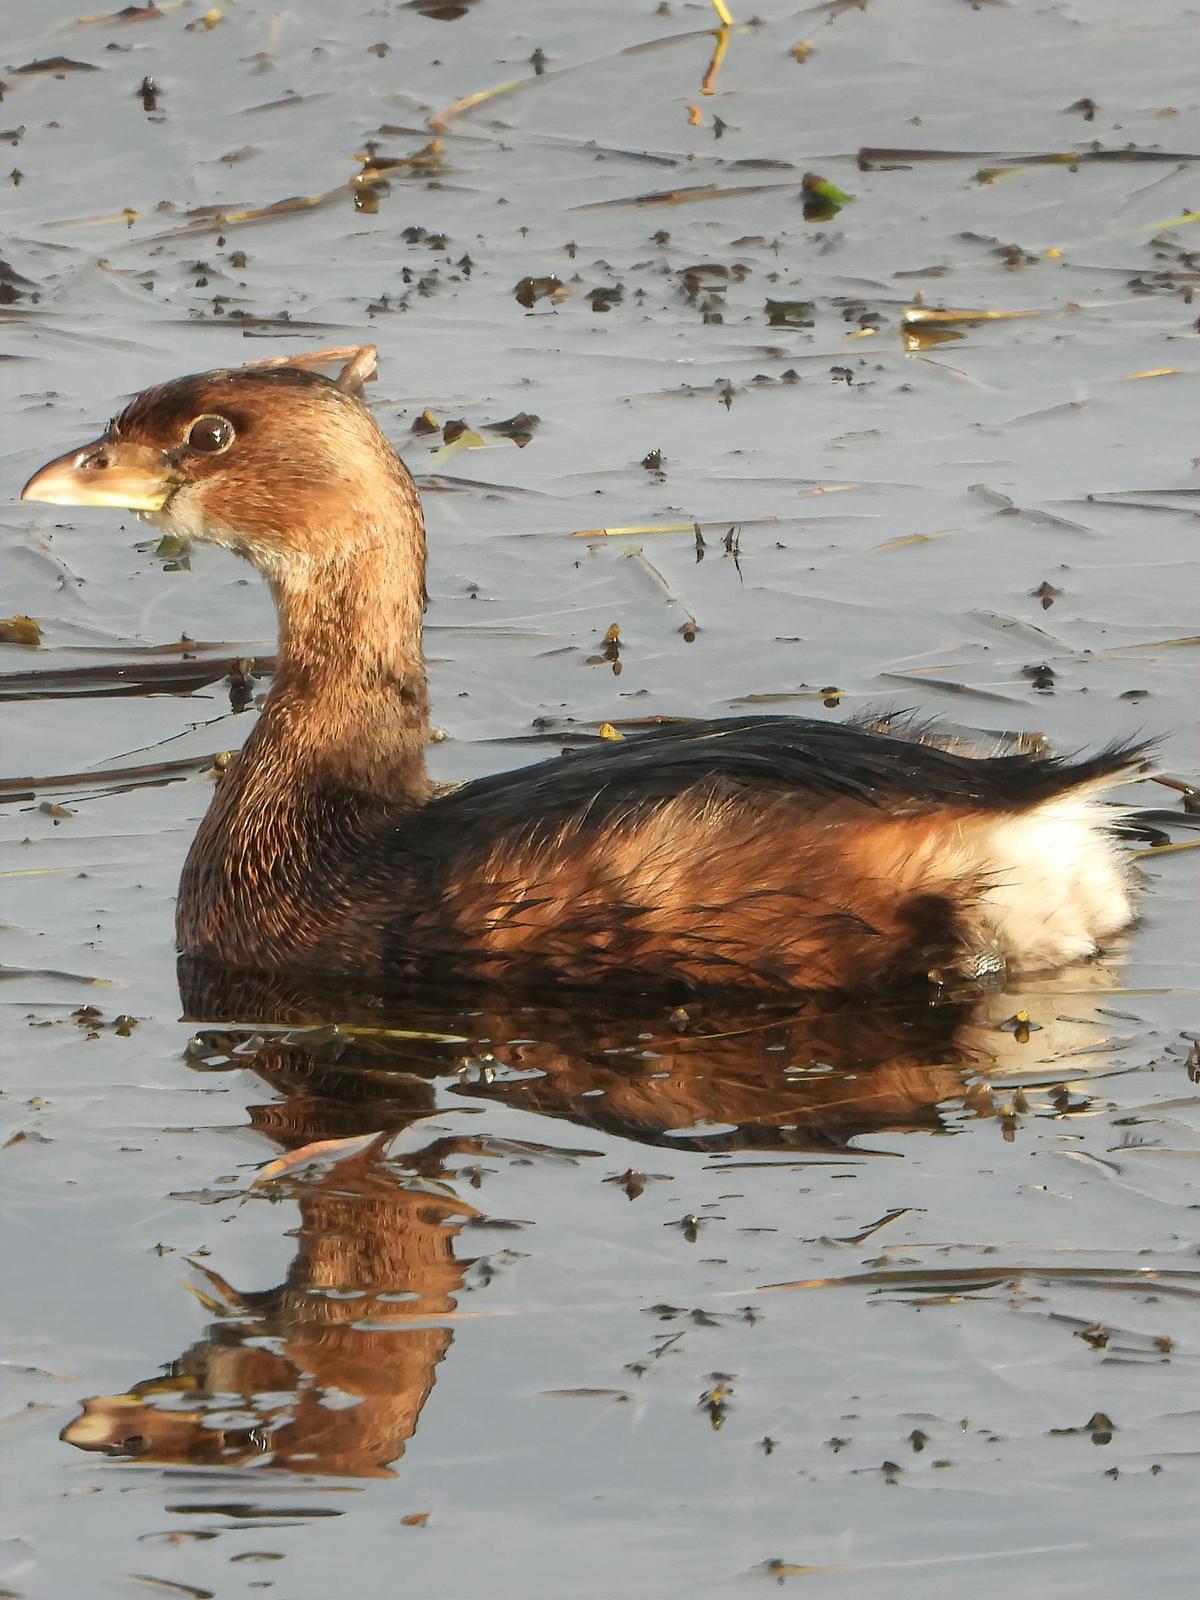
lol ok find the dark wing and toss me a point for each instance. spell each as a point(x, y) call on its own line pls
point(821, 762)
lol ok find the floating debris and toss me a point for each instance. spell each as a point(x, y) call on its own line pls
point(686, 196)
point(791, 313)
point(530, 290)
point(58, 66)
point(922, 326)
point(20, 630)
point(1046, 593)
point(822, 199)
point(519, 428)
point(132, 13)
point(871, 157)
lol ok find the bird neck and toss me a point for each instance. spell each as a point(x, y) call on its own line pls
point(336, 756)
point(349, 708)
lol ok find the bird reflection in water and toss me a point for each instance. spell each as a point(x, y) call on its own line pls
point(328, 1372)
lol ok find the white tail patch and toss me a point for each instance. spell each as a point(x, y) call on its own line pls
point(1058, 882)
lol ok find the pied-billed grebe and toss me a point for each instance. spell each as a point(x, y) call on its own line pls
point(765, 852)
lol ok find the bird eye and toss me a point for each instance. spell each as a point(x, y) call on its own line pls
point(210, 435)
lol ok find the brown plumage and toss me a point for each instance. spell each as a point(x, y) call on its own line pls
point(769, 853)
